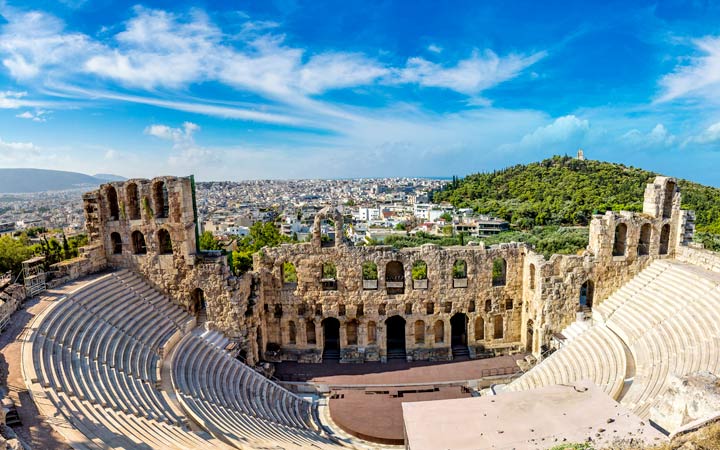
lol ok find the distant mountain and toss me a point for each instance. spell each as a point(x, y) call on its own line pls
point(39, 180)
point(109, 177)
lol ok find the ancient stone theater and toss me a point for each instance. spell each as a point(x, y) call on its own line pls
point(155, 344)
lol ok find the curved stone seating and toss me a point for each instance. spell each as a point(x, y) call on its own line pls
point(95, 356)
point(236, 403)
point(668, 319)
point(597, 355)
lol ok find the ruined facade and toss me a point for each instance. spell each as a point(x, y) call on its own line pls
point(329, 299)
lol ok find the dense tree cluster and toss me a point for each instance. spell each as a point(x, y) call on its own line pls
point(16, 249)
point(567, 191)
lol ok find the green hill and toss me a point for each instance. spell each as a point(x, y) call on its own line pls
point(566, 191)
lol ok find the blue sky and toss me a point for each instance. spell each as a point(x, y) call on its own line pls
point(317, 89)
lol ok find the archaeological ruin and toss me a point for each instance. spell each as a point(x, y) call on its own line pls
point(160, 347)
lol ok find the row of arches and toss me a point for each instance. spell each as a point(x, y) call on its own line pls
point(161, 204)
point(396, 332)
point(395, 272)
point(138, 244)
point(643, 248)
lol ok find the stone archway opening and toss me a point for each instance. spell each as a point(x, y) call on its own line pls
point(530, 335)
point(197, 305)
point(458, 335)
point(395, 326)
point(331, 339)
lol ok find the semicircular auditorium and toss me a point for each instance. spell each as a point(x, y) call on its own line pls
point(162, 346)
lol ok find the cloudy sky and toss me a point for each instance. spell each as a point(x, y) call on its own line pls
point(295, 89)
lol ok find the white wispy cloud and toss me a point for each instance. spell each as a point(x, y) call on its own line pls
point(12, 152)
point(434, 48)
point(659, 136)
point(37, 116)
point(709, 135)
point(566, 130)
point(481, 71)
point(699, 77)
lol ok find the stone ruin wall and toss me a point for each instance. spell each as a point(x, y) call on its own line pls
point(257, 308)
point(307, 301)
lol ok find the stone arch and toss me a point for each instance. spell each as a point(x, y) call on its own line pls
point(351, 332)
point(395, 336)
point(664, 239)
point(419, 332)
point(498, 331)
point(532, 276)
point(132, 198)
point(620, 241)
point(668, 199)
point(499, 272)
point(113, 205)
point(160, 199)
point(458, 329)
point(116, 243)
point(331, 338)
point(288, 273)
point(479, 328)
point(587, 291)
point(439, 331)
point(459, 269)
point(336, 216)
point(644, 241)
point(530, 335)
point(138, 243)
point(197, 301)
point(310, 336)
point(394, 277)
point(165, 246)
point(419, 270)
point(292, 333)
point(328, 276)
point(371, 333)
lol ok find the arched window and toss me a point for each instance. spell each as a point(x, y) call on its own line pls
point(132, 198)
point(289, 273)
point(644, 242)
point(329, 276)
point(369, 271)
point(164, 242)
point(138, 243)
point(292, 333)
point(369, 275)
point(439, 329)
point(197, 301)
point(116, 242)
point(498, 327)
point(160, 200)
point(479, 329)
point(499, 271)
point(419, 332)
point(113, 205)
point(395, 277)
point(665, 239)
point(351, 330)
point(419, 270)
point(668, 200)
point(372, 333)
point(310, 336)
point(459, 269)
point(532, 276)
point(620, 240)
point(586, 294)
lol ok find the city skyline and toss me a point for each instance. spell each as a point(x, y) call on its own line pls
point(290, 89)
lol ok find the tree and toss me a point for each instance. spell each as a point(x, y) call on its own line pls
point(369, 271)
point(401, 226)
point(209, 242)
point(13, 251)
point(446, 216)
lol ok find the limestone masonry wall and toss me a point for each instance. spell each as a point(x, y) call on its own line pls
point(303, 301)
